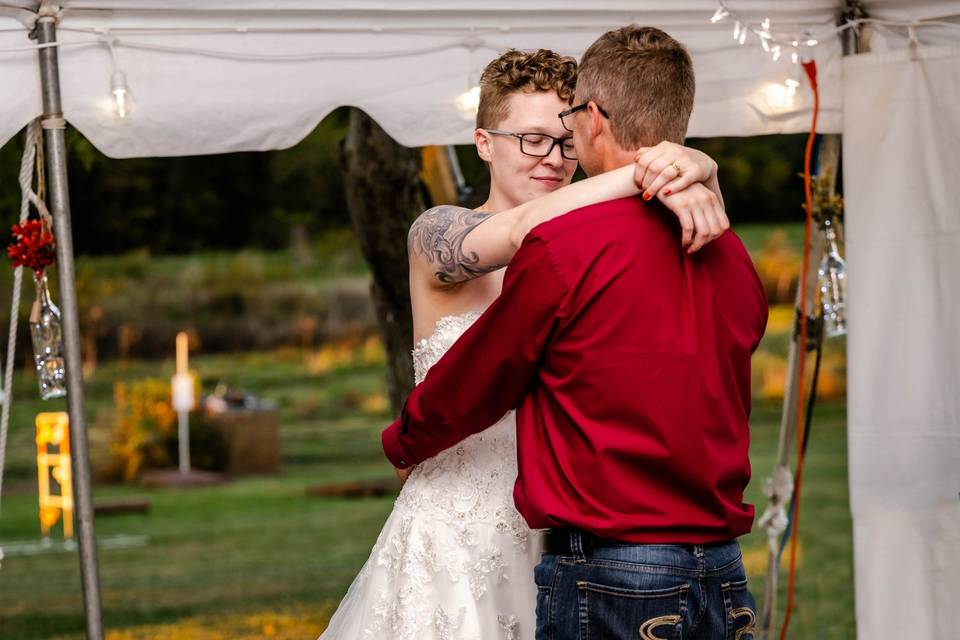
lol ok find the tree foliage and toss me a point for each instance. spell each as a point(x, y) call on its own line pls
point(266, 200)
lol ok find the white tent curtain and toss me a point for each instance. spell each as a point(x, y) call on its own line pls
point(901, 145)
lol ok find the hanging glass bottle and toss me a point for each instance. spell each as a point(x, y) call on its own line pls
point(47, 339)
point(832, 284)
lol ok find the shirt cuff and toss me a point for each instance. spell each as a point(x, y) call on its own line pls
point(395, 452)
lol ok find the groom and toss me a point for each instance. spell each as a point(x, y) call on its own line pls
point(628, 362)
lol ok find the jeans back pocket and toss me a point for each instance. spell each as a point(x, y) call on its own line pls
point(740, 608)
point(610, 613)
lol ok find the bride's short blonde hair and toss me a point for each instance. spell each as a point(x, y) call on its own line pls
point(527, 72)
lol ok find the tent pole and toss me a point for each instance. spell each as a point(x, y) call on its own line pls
point(56, 153)
point(780, 484)
point(828, 160)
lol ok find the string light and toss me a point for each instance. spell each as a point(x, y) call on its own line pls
point(118, 82)
point(719, 15)
point(770, 43)
point(782, 96)
point(765, 29)
point(469, 101)
point(118, 87)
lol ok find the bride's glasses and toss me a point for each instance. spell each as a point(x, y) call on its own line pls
point(540, 145)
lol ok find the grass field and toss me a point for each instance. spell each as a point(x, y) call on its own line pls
point(260, 553)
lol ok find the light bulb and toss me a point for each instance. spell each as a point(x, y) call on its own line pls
point(778, 96)
point(719, 15)
point(118, 87)
point(469, 100)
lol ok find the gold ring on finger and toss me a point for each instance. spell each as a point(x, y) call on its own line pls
point(676, 167)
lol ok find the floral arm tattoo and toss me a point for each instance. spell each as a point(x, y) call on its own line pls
point(437, 236)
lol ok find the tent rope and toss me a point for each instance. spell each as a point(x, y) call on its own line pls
point(28, 196)
point(810, 67)
point(774, 520)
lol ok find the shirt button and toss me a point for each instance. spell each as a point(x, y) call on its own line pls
point(403, 462)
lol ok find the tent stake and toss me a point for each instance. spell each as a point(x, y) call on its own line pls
point(59, 198)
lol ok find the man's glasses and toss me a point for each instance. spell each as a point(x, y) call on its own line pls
point(540, 145)
point(580, 107)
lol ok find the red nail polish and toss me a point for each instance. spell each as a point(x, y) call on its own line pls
point(667, 192)
point(646, 195)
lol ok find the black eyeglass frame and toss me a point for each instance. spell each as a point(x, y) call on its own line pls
point(519, 136)
point(580, 107)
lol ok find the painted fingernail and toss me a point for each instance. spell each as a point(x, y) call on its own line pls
point(667, 192)
point(646, 195)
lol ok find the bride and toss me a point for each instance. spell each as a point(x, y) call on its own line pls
point(454, 559)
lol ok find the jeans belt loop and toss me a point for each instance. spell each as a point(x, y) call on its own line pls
point(576, 545)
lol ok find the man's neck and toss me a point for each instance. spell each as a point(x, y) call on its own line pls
point(616, 158)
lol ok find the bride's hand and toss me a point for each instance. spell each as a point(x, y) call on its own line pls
point(403, 474)
point(671, 168)
point(685, 180)
point(701, 215)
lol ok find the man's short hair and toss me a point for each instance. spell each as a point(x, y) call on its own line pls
point(644, 80)
point(527, 72)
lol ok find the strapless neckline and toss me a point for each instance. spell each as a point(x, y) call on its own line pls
point(448, 329)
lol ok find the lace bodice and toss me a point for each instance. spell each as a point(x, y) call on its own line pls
point(428, 351)
point(483, 465)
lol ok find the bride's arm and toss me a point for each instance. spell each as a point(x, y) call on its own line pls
point(458, 244)
point(454, 244)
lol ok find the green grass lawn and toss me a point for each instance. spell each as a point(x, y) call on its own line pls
point(261, 544)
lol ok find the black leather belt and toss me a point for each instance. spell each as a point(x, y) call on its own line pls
point(560, 541)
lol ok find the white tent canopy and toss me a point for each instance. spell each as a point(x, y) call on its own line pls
point(232, 75)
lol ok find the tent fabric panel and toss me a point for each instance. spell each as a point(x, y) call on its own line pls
point(903, 230)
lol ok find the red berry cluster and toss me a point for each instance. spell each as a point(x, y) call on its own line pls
point(32, 246)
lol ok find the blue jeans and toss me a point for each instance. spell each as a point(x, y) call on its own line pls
point(610, 591)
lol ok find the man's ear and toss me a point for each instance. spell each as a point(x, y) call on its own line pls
point(596, 120)
point(482, 139)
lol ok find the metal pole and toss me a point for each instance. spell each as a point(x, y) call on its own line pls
point(59, 198)
point(828, 158)
point(183, 432)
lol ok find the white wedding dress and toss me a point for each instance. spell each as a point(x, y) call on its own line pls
point(454, 560)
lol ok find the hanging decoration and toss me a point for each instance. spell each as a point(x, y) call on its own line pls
point(832, 272)
point(33, 247)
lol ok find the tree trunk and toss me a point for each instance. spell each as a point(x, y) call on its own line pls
point(384, 194)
